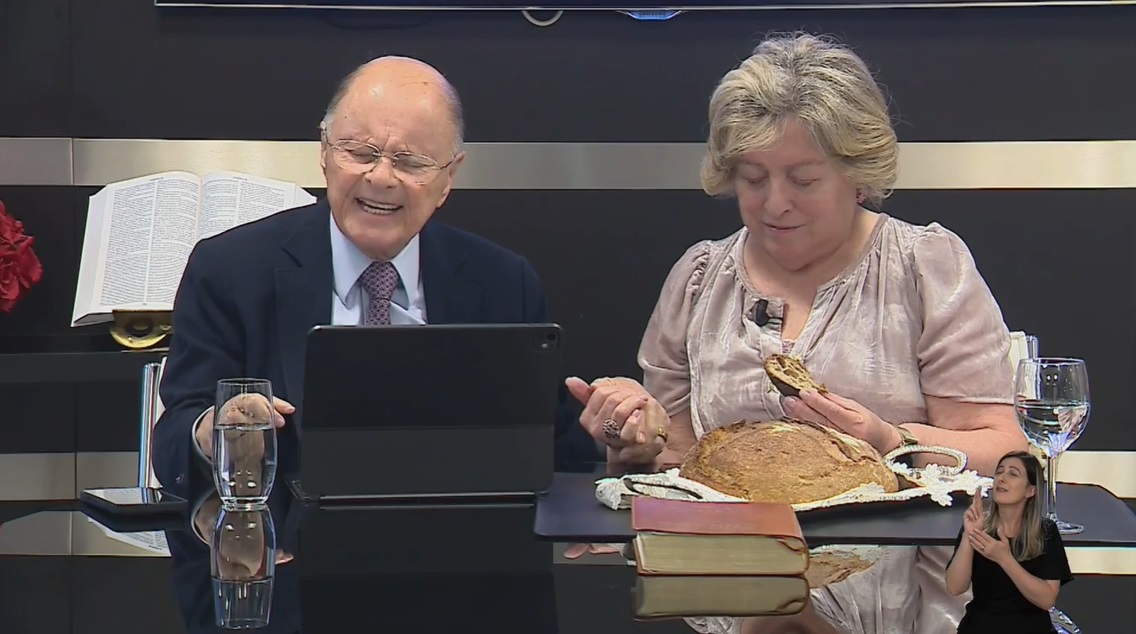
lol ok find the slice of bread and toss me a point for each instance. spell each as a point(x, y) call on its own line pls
point(789, 375)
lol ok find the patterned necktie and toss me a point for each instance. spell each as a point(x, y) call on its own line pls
point(379, 281)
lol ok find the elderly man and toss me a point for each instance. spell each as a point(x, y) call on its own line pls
point(368, 254)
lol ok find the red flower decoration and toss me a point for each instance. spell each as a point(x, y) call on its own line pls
point(19, 267)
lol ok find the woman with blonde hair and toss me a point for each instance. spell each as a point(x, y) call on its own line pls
point(1021, 562)
point(892, 317)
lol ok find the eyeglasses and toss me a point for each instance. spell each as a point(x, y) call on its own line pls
point(359, 158)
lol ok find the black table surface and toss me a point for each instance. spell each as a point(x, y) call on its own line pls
point(570, 512)
point(415, 567)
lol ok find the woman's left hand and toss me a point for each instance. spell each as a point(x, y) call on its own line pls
point(996, 550)
point(845, 415)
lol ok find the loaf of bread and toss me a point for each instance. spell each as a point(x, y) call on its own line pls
point(790, 462)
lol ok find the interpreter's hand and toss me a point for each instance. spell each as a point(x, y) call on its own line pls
point(845, 415)
point(243, 409)
point(974, 518)
point(996, 550)
point(620, 413)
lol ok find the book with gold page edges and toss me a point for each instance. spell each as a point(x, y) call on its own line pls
point(717, 538)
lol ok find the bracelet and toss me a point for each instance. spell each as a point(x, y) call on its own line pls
point(906, 439)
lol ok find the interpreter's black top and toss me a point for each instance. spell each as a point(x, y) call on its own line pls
point(998, 606)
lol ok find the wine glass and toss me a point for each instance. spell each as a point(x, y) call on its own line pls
point(1051, 398)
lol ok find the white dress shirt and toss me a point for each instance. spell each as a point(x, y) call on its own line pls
point(348, 304)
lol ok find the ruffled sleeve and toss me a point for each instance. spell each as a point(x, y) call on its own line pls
point(663, 351)
point(964, 346)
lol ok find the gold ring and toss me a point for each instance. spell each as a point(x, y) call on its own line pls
point(661, 433)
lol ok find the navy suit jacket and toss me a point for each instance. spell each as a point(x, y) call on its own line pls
point(249, 296)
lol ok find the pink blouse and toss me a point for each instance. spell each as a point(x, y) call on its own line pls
point(910, 317)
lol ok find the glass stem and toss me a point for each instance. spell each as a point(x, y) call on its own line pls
point(1051, 486)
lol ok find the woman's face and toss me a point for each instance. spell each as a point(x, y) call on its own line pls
point(798, 206)
point(1011, 483)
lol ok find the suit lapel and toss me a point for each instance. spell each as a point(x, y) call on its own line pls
point(450, 297)
point(303, 294)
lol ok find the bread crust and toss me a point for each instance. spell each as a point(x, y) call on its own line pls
point(789, 462)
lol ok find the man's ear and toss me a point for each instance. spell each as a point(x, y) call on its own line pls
point(456, 163)
point(451, 173)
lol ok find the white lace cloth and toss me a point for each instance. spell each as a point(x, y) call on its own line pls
point(935, 481)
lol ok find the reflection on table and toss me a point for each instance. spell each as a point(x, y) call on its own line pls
point(413, 567)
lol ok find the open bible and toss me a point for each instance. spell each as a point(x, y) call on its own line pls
point(140, 233)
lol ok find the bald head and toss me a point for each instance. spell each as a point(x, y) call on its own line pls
point(397, 78)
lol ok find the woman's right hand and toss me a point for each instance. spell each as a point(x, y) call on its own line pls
point(974, 518)
point(620, 413)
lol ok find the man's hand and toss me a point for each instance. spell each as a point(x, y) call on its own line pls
point(846, 415)
point(244, 409)
point(620, 413)
point(234, 564)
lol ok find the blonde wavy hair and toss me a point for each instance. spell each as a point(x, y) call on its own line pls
point(821, 83)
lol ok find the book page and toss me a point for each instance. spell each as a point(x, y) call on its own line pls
point(138, 238)
point(229, 199)
point(174, 232)
point(150, 541)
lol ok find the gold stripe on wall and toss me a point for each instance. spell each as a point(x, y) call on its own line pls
point(1102, 561)
point(35, 161)
point(560, 166)
point(1018, 165)
point(59, 475)
point(1113, 470)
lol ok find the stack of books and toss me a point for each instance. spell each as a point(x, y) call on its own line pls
point(717, 559)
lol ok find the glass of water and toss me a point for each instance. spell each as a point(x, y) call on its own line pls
point(243, 566)
point(1051, 398)
point(244, 442)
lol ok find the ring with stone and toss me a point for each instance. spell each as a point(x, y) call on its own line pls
point(611, 429)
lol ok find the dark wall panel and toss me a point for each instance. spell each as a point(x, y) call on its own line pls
point(37, 418)
point(991, 74)
point(35, 67)
point(109, 415)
